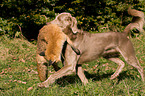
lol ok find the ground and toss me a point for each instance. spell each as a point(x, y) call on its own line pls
point(18, 72)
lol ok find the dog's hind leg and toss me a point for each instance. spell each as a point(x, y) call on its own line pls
point(80, 73)
point(134, 62)
point(127, 51)
point(120, 67)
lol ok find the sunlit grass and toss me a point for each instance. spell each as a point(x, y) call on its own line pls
point(18, 72)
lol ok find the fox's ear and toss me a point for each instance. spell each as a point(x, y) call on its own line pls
point(42, 54)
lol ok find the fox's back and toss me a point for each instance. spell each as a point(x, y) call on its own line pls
point(55, 39)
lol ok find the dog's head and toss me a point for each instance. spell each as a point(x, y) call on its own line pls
point(64, 20)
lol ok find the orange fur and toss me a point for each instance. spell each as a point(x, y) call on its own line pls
point(49, 47)
point(55, 39)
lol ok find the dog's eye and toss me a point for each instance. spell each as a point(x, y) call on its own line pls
point(59, 18)
point(68, 19)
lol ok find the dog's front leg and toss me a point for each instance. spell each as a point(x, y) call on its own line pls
point(67, 69)
point(80, 73)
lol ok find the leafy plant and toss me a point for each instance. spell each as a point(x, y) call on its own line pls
point(94, 15)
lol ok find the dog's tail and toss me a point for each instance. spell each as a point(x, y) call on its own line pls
point(137, 21)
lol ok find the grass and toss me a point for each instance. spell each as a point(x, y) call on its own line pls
point(18, 72)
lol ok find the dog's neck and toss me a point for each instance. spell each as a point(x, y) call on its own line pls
point(68, 31)
point(77, 36)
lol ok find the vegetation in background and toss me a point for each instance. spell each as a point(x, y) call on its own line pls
point(18, 69)
point(28, 16)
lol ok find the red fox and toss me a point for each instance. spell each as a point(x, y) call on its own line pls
point(49, 47)
point(55, 39)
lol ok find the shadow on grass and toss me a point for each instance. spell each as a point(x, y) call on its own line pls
point(95, 77)
point(98, 77)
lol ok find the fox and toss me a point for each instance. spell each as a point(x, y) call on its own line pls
point(50, 43)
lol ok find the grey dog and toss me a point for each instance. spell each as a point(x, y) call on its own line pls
point(92, 46)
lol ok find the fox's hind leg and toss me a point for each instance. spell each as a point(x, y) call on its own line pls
point(42, 67)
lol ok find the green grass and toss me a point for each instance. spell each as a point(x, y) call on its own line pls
point(18, 72)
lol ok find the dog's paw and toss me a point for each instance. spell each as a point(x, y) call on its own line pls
point(43, 85)
point(113, 77)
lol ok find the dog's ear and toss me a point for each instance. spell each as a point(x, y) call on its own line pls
point(74, 25)
point(65, 19)
point(62, 20)
point(63, 16)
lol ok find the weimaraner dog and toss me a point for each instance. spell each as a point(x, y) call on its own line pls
point(92, 46)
